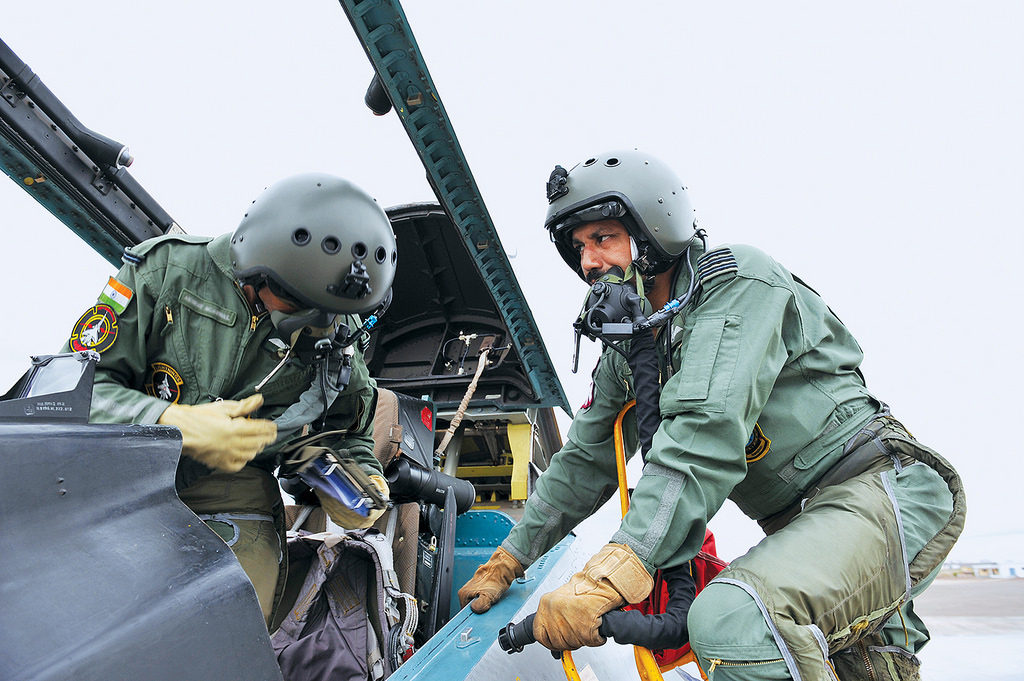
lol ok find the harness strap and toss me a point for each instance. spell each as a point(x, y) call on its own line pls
point(402, 623)
point(860, 452)
point(461, 411)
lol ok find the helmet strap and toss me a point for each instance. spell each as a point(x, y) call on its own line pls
point(638, 281)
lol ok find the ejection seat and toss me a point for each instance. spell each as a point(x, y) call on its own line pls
point(396, 580)
point(387, 445)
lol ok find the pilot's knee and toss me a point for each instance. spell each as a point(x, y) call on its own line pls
point(726, 623)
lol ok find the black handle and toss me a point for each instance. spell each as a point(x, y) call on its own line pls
point(663, 631)
point(515, 636)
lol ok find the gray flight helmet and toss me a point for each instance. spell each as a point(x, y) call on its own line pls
point(639, 190)
point(319, 240)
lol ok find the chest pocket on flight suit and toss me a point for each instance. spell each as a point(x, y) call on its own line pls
point(205, 342)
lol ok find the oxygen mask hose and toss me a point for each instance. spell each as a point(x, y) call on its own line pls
point(663, 631)
point(642, 359)
point(672, 307)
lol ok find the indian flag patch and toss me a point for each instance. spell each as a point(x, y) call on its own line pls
point(116, 295)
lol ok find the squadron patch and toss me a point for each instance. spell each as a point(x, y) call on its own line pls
point(757, 446)
point(164, 382)
point(95, 330)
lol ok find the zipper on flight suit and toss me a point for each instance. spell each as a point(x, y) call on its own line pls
point(718, 662)
point(169, 325)
point(255, 316)
point(867, 660)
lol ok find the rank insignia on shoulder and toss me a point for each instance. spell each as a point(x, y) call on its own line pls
point(95, 330)
point(116, 295)
point(133, 259)
point(164, 382)
point(714, 264)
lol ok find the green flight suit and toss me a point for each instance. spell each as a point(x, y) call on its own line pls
point(188, 335)
point(761, 395)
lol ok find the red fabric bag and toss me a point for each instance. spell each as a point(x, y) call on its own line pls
point(706, 565)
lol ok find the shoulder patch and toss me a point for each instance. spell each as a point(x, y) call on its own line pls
point(95, 330)
point(757, 445)
point(713, 264)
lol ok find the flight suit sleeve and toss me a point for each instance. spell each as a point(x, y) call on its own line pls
point(732, 353)
point(353, 411)
point(118, 395)
point(581, 476)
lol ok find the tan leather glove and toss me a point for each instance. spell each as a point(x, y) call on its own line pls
point(568, 617)
point(490, 581)
point(218, 434)
point(346, 517)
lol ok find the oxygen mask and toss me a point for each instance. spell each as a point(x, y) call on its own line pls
point(612, 306)
point(306, 327)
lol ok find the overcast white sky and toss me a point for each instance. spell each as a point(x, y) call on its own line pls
point(873, 149)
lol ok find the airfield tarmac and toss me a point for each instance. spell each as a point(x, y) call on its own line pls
point(977, 628)
point(951, 598)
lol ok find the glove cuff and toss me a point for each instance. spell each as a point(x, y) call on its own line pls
point(619, 566)
point(381, 483)
point(508, 562)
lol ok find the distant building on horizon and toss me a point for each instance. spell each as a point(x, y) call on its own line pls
point(999, 569)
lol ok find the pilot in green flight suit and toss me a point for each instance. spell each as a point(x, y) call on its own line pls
point(762, 402)
point(216, 337)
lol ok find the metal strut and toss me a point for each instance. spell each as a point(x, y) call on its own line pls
point(77, 174)
point(384, 31)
